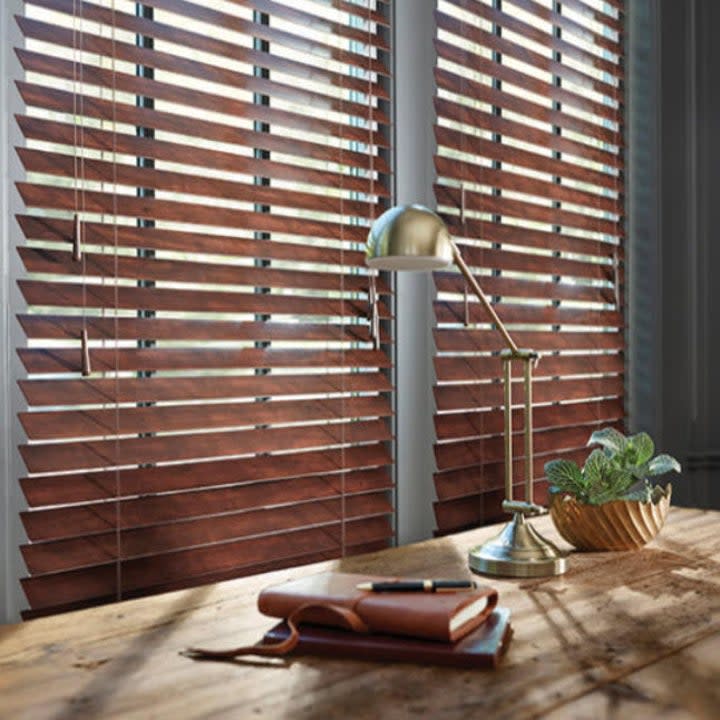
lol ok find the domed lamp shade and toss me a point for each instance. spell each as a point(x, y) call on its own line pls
point(413, 237)
point(409, 237)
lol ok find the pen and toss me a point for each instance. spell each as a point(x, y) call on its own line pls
point(418, 586)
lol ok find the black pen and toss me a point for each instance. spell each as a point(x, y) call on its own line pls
point(418, 586)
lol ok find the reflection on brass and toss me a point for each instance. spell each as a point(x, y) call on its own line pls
point(517, 551)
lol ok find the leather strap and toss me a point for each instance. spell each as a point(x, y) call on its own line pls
point(346, 615)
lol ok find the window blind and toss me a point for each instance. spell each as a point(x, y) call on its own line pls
point(529, 177)
point(207, 377)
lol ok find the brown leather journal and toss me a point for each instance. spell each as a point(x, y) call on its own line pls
point(484, 647)
point(332, 599)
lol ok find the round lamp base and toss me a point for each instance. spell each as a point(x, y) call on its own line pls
point(518, 551)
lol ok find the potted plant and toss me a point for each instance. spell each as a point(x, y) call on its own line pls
point(610, 504)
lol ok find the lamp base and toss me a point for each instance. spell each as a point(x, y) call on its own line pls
point(518, 551)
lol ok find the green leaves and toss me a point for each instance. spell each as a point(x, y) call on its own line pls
point(644, 448)
point(609, 438)
point(563, 472)
point(616, 471)
point(564, 476)
point(663, 464)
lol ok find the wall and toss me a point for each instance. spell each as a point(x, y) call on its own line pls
point(414, 144)
point(11, 532)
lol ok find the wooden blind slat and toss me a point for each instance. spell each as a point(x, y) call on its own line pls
point(454, 312)
point(63, 166)
point(487, 340)
point(95, 139)
point(450, 196)
point(594, 14)
point(473, 395)
point(473, 367)
point(154, 238)
point(451, 426)
point(110, 266)
point(48, 360)
point(459, 84)
point(566, 24)
point(158, 573)
point(55, 198)
point(523, 158)
point(65, 327)
point(103, 485)
point(524, 132)
point(78, 455)
point(93, 75)
point(525, 81)
point(77, 520)
point(523, 54)
point(93, 108)
point(63, 555)
point(94, 423)
point(473, 483)
point(178, 35)
point(539, 35)
point(515, 182)
point(470, 453)
point(100, 391)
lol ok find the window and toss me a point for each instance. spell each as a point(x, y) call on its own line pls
point(529, 170)
point(207, 377)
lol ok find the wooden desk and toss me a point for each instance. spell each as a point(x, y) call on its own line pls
point(632, 635)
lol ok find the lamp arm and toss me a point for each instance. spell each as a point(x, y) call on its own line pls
point(465, 270)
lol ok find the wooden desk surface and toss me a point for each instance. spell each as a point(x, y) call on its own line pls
point(632, 635)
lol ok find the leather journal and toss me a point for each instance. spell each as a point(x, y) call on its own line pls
point(484, 647)
point(333, 601)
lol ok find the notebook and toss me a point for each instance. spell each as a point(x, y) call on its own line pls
point(433, 616)
point(484, 647)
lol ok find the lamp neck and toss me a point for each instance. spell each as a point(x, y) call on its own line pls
point(465, 270)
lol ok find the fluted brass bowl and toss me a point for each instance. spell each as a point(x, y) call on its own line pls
point(618, 525)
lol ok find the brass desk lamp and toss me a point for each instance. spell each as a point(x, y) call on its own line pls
point(412, 237)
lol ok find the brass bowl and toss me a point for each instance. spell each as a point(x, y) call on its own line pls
point(618, 525)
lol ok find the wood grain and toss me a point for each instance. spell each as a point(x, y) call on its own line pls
point(191, 97)
point(87, 423)
point(83, 551)
point(104, 485)
point(194, 271)
point(101, 454)
point(541, 86)
point(96, 139)
point(77, 295)
point(132, 512)
point(99, 391)
point(635, 634)
point(122, 236)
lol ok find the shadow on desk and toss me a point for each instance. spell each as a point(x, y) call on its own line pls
point(91, 700)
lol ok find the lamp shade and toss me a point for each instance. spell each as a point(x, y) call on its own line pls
point(409, 237)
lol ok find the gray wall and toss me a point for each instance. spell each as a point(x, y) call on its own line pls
point(11, 502)
point(414, 90)
point(674, 208)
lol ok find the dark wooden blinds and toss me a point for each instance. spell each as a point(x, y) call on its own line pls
point(529, 169)
point(207, 376)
